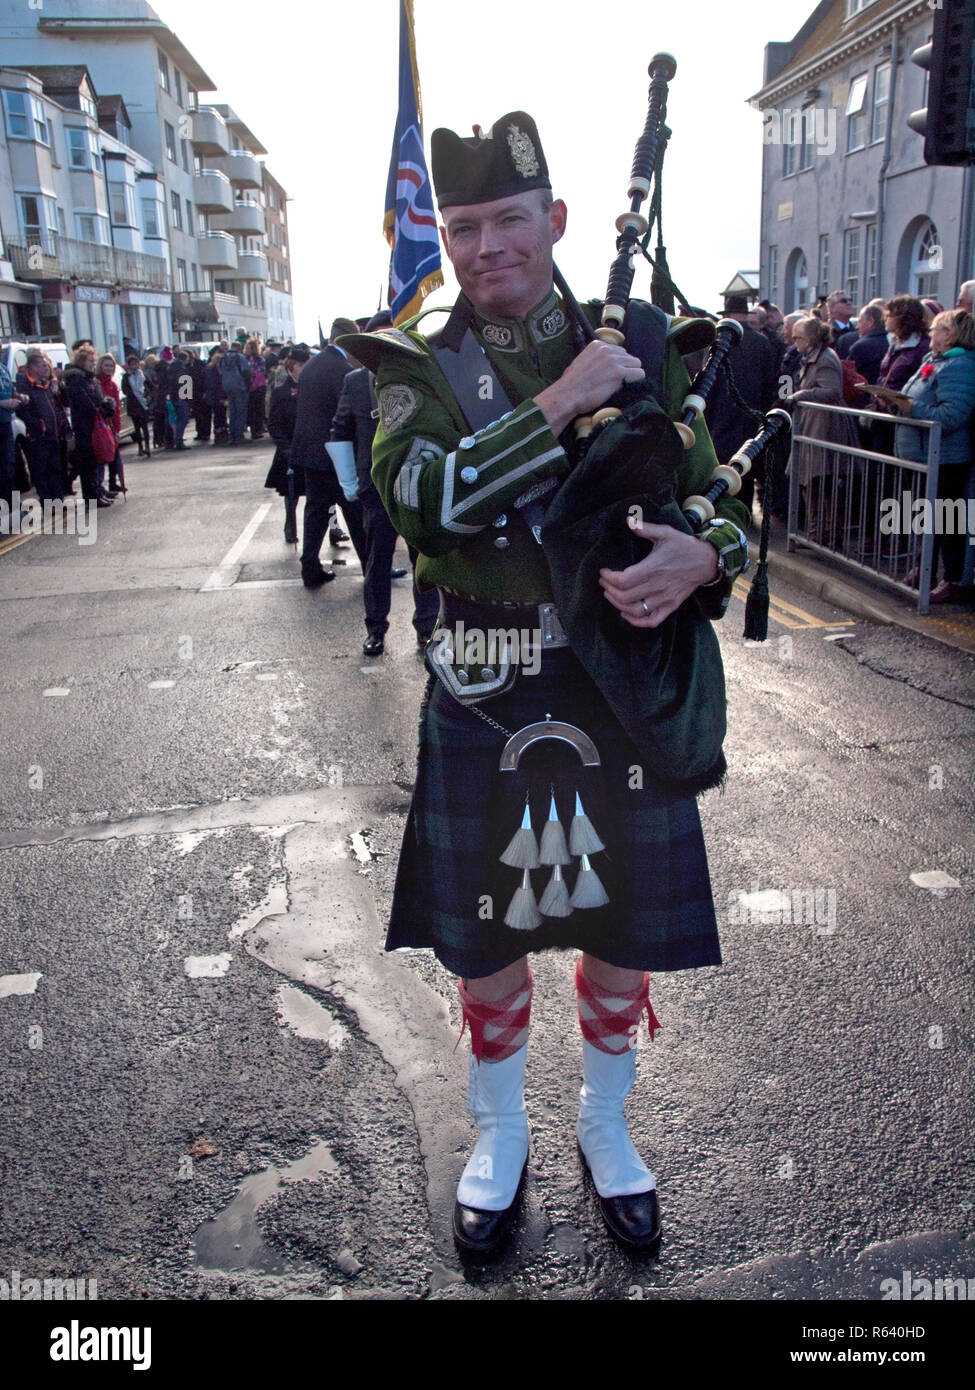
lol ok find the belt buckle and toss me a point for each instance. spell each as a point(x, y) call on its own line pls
point(550, 626)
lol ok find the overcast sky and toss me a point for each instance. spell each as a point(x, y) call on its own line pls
point(316, 82)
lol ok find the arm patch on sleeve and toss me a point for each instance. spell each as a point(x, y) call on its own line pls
point(397, 404)
point(406, 489)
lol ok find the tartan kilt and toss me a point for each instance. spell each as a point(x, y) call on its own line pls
point(452, 891)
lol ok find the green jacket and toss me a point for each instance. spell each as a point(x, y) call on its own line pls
point(452, 494)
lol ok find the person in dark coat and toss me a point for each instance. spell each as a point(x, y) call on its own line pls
point(318, 398)
point(870, 348)
point(46, 424)
point(216, 397)
point(135, 389)
point(202, 412)
point(87, 402)
point(355, 427)
point(904, 321)
point(281, 427)
point(754, 366)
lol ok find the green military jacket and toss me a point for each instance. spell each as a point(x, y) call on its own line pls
point(452, 493)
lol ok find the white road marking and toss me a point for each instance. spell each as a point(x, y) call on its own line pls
point(207, 967)
point(266, 676)
point(161, 685)
point(935, 880)
point(267, 584)
point(56, 691)
point(19, 984)
point(221, 577)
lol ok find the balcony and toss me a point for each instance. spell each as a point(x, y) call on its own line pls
point(52, 257)
point(212, 191)
point(195, 309)
point(241, 168)
point(251, 265)
point(218, 251)
point(246, 217)
point(210, 136)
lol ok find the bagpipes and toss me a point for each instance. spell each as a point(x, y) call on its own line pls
point(599, 439)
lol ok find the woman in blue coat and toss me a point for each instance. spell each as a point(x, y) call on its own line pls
point(943, 389)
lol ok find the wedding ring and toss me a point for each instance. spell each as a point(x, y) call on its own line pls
point(646, 610)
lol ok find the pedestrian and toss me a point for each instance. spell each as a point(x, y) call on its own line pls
point(283, 476)
point(179, 382)
point(107, 367)
point(235, 377)
point(9, 402)
point(256, 389)
point(216, 397)
point(202, 410)
point(456, 491)
point(943, 389)
point(46, 425)
point(318, 398)
point(820, 382)
point(870, 349)
point(87, 403)
point(134, 388)
point(162, 408)
point(354, 428)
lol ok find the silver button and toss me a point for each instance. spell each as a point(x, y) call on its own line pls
point(499, 521)
point(501, 543)
point(466, 443)
point(488, 673)
point(462, 676)
point(468, 474)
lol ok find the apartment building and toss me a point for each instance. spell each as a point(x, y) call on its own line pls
point(847, 200)
point(79, 212)
point(280, 310)
point(210, 178)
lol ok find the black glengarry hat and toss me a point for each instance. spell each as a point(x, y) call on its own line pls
point(483, 168)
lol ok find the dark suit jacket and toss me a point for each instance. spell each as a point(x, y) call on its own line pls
point(356, 419)
point(755, 368)
point(319, 387)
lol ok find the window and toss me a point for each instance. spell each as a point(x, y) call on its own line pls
point(926, 261)
point(123, 205)
point(38, 217)
point(83, 149)
point(184, 150)
point(287, 283)
point(164, 72)
point(177, 211)
point(178, 84)
point(151, 219)
point(182, 281)
point(274, 233)
point(276, 272)
point(270, 198)
point(90, 228)
point(807, 149)
point(881, 100)
point(25, 118)
point(196, 276)
point(791, 135)
point(88, 106)
point(854, 7)
point(224, 287)
point(856, 114)
point(189, 217)
point(170, 140)
point(851, 263)
point(870, 262)
point(822, 279)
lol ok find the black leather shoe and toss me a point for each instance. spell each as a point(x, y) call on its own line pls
point(373, 645)
point(290, 537)
point(398, 574)
point(337, 536)
point(634, 1221)
point(315, 581)
point(480, 1232)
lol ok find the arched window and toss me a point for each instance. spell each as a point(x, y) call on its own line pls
point(796, 281)
point(925, 262)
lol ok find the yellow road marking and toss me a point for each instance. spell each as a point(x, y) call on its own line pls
point(778, 608)
point(12, 542)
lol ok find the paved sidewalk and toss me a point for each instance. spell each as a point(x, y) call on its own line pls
point(953, 623)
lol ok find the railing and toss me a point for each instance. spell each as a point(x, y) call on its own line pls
point(857, 505)
point(51, 257)
point(196, 308)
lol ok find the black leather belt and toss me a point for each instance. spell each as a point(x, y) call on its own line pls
point(478, 648)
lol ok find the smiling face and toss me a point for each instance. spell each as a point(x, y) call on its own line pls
point(502, 251)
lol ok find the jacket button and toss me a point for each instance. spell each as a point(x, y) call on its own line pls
point(468, 474)
point(500, 521)
point(488, 673)
point(462, 676)
point(501, 543)
point(466, 443)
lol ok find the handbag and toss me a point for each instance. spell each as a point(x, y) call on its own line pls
point(102, 441)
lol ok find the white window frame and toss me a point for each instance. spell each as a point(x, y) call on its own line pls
point(157, 219)
point(856, 110)
point(773, 273)
point(175, 210)
point(881, 101)
point(822, 279)
point(869, 262)
point(852, 264)
point(163, 71)
point(171, 151)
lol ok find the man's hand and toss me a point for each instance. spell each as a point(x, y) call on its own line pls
point(653, 588)
point(587, 383)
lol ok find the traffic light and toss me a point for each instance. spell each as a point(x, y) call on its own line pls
point(948, 121)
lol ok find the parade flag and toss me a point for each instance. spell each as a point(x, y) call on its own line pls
point(410, 224)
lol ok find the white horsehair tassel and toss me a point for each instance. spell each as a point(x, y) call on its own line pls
point(523, 913)
point(554, 849)
point(582, 834)
point(589, 891)
point(555, 900)
point(522, 851)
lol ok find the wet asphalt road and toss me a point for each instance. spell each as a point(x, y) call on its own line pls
point(216, 1083)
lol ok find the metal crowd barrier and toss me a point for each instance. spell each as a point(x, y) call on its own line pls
point(835, 492)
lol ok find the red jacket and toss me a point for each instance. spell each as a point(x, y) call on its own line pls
point(109, 389)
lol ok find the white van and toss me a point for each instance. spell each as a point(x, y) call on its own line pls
point(13, 355)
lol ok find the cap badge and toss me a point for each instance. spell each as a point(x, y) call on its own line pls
point(523, 155)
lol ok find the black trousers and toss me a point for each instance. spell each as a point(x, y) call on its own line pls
point(381, 537)
point(321, 492)
point(44, 461)
point(203, 415)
